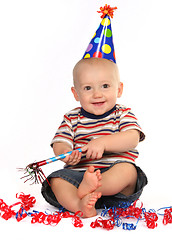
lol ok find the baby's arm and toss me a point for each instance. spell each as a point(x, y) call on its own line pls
point(61, 148)
point(122, 141)
point(117, 142)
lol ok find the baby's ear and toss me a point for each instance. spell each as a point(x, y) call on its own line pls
point(75, 93)
point(120, 89)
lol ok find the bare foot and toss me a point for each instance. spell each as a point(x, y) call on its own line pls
point(91, 181)
point(87, 204)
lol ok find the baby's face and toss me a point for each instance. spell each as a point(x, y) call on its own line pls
point(97, 86)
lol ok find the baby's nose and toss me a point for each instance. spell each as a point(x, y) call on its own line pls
point(97, 94)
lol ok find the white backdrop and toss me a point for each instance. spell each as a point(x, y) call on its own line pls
point(40, 42)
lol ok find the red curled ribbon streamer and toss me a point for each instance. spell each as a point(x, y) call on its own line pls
point(107, 224)
point(6, 210)
point(115, 215)
point(167, 216)
point(131, 211)
point(151, 219)
point(54, 219)
point(27, 202)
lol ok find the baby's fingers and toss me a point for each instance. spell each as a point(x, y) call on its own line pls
point(77, 155)
point(74, 158)
point(66, 159)
point(84, 148)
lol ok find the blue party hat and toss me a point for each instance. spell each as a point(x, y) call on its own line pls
point(101, 45)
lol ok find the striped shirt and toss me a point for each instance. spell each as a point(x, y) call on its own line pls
point(79, 127)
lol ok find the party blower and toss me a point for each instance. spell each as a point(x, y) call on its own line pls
point(33, 171)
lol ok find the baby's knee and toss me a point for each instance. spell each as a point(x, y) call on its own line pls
point(55, 182)
point(131, 176)
point(130, 172)
point(132, 179)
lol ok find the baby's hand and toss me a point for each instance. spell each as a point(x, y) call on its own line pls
point(94, 149)
point(73, 159)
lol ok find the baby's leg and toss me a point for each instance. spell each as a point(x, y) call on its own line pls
point(121, 178)
point(67, 196)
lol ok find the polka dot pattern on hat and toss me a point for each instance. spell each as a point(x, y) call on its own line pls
point(101, 45)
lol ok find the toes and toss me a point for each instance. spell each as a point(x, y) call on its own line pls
point(99, 194)
point(93, 197)
point(91, 169)
point(98, 174)
point(88, 204)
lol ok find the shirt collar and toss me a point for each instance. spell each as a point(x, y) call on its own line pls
point(93, 116)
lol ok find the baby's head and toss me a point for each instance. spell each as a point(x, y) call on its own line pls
point(96, 84)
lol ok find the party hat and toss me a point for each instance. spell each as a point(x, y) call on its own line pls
point(101, 45)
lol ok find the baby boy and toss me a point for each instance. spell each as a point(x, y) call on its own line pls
point(105, 173)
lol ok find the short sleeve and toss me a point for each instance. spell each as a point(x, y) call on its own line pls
point(64, 132)
point(129, 121)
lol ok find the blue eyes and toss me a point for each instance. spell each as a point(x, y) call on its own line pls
point(105, 85)
point(87, 88)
